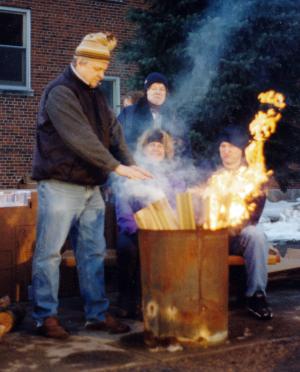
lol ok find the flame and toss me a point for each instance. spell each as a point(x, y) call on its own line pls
point(229, 193)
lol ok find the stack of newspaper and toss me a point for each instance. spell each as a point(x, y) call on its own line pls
point(14, 198)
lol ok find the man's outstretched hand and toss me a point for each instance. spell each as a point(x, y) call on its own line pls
point(133, 172)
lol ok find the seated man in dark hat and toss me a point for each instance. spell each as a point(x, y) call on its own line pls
point(250, 242)
point(248, 239)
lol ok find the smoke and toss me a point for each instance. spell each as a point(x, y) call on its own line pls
point(204, 49)
point(169, 178)
point(147, 191)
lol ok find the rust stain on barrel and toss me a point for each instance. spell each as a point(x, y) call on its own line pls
point(185, 274)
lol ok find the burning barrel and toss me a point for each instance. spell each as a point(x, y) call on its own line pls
point(185, 284)
point(184, 268)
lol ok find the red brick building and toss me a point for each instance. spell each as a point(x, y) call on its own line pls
point(37, 40)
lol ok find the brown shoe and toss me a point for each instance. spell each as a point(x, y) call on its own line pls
point(110, 324)
point(6, 322)
point(51, 328)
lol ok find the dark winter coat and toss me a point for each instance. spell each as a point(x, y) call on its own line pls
point(78, 137)
point(137, 118)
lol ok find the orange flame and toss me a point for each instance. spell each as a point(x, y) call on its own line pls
point(228, 194)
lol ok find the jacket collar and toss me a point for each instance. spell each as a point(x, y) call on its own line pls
point(70, 73)
point(77, 74)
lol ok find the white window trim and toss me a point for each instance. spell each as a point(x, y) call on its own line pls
point(27, 44)
point(116, 93)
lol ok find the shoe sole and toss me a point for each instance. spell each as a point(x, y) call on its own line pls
point(43, 333)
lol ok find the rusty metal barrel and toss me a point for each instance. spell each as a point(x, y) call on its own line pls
point(185, 284)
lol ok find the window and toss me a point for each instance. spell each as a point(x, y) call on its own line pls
point(14, 49)
point(111, 88)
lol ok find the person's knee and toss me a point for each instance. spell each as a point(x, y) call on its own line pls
point(253, 234)
point(255, 242)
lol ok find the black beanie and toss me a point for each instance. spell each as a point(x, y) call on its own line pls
point(235, 136)
point(155, 77)
point(154, 136)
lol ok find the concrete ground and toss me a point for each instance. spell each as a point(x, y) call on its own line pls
point(252, 345)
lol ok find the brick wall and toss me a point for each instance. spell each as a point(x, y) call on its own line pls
point(56, 29)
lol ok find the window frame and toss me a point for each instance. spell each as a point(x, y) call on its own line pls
point(116, 93)
point(26, 13)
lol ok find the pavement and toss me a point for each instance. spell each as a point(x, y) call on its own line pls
point(252, 345)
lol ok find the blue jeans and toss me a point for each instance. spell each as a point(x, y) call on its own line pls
point(74, 211)
point(252, 244)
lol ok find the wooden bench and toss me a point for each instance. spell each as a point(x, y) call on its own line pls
point(273, 259)
point(236, 263)
point(68, 259)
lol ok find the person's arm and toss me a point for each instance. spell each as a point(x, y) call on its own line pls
point(118, 145)
point(259, 206)
point(122, 116)
point(120, 150)
point(72, 125)
point(130, 126)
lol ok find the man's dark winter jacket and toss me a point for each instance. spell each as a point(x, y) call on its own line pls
point(136, 119)
point(78, 139)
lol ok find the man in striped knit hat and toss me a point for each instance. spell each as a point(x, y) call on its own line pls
point(78, 143)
